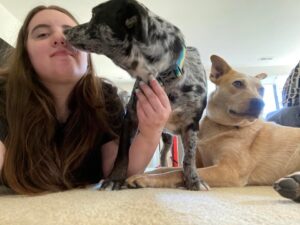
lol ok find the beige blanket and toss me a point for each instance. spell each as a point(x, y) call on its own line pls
point(230, 206)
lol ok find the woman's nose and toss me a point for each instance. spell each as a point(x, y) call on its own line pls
point(59, 41)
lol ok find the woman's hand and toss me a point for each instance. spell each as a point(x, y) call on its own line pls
point(153, 109)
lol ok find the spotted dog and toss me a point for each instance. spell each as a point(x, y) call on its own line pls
point(143, 44)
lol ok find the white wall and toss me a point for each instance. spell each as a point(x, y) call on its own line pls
point(9, 26)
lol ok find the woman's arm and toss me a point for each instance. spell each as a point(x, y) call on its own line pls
point(141, 153)
point(153, 111)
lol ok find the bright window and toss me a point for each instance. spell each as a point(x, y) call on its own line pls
point(273, 94)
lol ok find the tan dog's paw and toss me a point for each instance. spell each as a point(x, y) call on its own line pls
point(289, 187)
point(137, 181)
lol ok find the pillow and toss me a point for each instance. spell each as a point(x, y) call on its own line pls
point(291, 89)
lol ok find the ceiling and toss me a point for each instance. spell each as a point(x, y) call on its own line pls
point(252, 35)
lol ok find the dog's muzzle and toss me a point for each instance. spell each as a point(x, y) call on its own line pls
point(255, 107)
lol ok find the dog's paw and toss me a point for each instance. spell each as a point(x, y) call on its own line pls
point(137, 181)
point(196, 184)
point(109, 185)
point(289, 187)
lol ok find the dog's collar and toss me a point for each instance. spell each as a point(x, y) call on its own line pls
point(175, 71)
point(180, 61)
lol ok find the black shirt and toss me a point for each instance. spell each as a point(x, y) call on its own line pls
point(90, 169)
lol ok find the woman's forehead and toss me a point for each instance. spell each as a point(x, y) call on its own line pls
point(51, 17)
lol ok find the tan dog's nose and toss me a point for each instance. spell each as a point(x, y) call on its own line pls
point(256, 105)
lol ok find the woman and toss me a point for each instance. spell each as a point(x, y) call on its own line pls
point(59, 123)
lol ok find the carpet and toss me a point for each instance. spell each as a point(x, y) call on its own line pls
point(230, 206)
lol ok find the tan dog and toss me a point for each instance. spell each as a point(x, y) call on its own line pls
point(235, 147)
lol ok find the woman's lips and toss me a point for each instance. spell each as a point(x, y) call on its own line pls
point(61, 53)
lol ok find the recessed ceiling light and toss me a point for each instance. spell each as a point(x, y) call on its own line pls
point(266, 58)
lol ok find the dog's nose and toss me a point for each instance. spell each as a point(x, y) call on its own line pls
point(256, 105)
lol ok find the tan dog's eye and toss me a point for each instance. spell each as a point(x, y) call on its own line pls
point(238, 84)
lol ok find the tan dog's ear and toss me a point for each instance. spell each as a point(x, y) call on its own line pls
point(219, 67)
point(261, 76)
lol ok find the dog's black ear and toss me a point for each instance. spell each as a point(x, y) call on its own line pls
point(126, 18)
point(132, 16)
point(219, 67)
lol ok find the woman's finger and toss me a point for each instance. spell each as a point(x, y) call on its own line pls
point(159, 91)
point(140, 112)
point(144, 103)
point(151, 97)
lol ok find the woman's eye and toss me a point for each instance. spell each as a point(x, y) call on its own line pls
point(42, 35)
point(238, 84)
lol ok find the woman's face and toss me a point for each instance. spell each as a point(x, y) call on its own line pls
point(53, 59)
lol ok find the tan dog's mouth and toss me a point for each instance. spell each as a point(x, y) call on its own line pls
point(252, 114)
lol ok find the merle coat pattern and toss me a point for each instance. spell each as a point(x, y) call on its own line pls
point(142, 43)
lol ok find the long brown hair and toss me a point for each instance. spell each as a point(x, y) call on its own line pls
point(33, 161)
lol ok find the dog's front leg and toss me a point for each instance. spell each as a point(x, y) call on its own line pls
point(214, 176)
point(129, 128)
point(119, 173)
point(170, 179)
point(161, 178)
point(223, 175)
point(191, 178)
point(167, 144)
